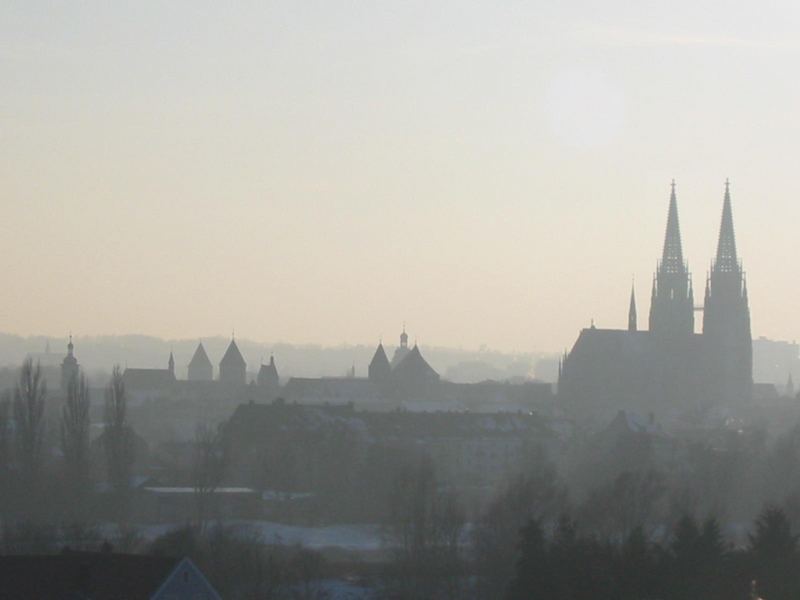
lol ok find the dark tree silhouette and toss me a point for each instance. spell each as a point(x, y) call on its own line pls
point(774, 556)
point(208, 468)
point(496, 534)
point(118, 435)
point(29, 399)
point(426, 524)
point(75, 433)
point(533, 577)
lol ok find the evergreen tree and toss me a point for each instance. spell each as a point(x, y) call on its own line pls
point(533, 578)
point(774, 556)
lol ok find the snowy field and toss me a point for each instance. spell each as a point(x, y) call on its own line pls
point(357, 537)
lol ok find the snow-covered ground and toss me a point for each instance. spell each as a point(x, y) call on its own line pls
point(357, 537)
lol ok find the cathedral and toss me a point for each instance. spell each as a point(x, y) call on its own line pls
point(670, 369)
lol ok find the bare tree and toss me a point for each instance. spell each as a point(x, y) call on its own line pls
point(29, 398)
point(118, 435)
point(426, 524)
point(208, 469)
point(75, 432)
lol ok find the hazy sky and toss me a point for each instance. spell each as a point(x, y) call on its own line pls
point(490, 172)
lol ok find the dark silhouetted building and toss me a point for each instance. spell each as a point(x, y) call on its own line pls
point(670, 367)
point(401, 351)
point(232, 367)
point(268, 375)
point(200, 367)
point(144, 384)
point(413, 369)
point(379, 367)
point(726, 318)
point(69, 366)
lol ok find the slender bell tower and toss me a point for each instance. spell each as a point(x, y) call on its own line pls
point(726, 318)
point(672, 299)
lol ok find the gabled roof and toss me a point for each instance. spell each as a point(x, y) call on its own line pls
point(270, 368)
point(232, 357)
point(268, 373)
point(99, 576)
point(414, 369)
point(147, 379)
point(200, 358)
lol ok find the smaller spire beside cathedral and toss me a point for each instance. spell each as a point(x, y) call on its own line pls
point(632, 319)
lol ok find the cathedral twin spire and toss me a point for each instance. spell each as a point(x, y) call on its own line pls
point(672, 298)
point(726, 260)
point(672, 256)
point(672, 301)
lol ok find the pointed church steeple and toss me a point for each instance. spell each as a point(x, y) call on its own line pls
point(726, 315)
point(171, 364)
point(672, 255)
point(632, 320)
point(671, 306)
point(726, 260)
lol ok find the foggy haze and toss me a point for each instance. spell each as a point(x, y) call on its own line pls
point(399, 301)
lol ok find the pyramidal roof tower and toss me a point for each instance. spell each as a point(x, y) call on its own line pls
point(672, 299)
point(200, 367)
point(232, 367)
point(379, 367)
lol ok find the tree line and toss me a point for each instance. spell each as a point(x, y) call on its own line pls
point(45, 467)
